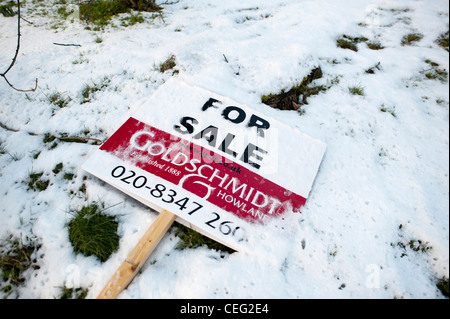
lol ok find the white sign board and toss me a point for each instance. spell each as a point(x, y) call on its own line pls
point(214, 163)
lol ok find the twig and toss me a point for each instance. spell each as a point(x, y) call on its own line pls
point(80, 139)
point(16, 54)
point(63, 138)
point(8, 128)
point(67, 45)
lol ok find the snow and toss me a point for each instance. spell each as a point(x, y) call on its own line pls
point(379, 171)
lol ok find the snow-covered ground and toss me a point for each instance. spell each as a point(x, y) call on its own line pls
point(384, 179)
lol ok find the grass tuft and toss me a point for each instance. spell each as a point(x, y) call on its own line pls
point(356, 90)
point(91, 232)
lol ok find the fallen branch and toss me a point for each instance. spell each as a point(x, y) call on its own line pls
point(16, 54)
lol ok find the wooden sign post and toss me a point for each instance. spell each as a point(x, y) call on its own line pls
point(138, 256)
point(208, 162)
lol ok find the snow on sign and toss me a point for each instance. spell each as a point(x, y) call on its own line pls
point(219, 166)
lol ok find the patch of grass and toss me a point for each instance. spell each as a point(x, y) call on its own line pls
point(434, 73)
point(168, 64)
point(68, 176)
point(374, 45)
point(192, 239)
point(73, 293)
point(443, 286)
point(7, 9)
point(16, 257)
point(58, 168)
point(349, 42)
point(63, 13)
point(411, 38)
point(356, 90)
point(132, 20)
point(49, 138)
point(100, 12)
point(91, 232)
point(36, 183)
point(442, 40)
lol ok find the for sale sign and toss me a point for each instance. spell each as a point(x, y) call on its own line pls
point(219, 166)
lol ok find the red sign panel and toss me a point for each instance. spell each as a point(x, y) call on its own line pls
point(201, 171)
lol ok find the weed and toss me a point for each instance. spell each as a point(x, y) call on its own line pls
point(192, 239)
point(411, 38)
point(15, 258)
point(88, 89)
point(372, 69)
point(442, 41)
point(415, 245)
point(91, 232)
point(58, 99)
point(385, 109)
point(168, 64)
point(298, 94)
point(35, 182)
point(73, 293)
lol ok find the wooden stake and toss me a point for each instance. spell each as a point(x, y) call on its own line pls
point(138, 256)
